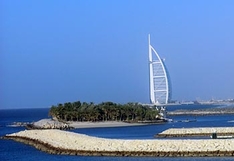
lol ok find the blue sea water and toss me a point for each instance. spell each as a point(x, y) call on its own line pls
point(14, 151)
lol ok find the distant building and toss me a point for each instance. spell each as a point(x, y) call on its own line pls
point(160, 86)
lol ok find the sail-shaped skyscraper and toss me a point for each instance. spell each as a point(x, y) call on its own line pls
point(160, 87)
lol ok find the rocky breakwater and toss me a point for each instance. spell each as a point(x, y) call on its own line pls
point(48, 124)
point(69, 143)
point(187, 132)
point(209, 111)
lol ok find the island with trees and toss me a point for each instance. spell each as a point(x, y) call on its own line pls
point(105, 111)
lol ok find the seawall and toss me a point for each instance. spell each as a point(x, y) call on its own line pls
point(68, 143)
point(189, 132)
point(212, 111)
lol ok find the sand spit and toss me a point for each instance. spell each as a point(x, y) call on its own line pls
point(77, 124)
point(64, 142)
point(54, 124)
point(208, 131)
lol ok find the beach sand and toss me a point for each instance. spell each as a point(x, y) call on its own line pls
point(54, 124)
point(102, 124)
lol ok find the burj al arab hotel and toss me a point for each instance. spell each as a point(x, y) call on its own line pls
point(160, 86)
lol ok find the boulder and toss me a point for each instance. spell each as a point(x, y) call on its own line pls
point(48, 124)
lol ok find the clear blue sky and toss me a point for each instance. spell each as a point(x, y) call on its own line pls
point(58, 51)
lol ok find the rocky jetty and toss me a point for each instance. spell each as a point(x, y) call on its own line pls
point(209, 111)
point(69, 143)
point(187, 132)
point(48, 124)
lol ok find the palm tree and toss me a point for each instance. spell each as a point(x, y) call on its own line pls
point(105, 111)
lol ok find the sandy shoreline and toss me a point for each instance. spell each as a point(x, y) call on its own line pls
point(54, 124)
point(64, 142)
point(102, 124)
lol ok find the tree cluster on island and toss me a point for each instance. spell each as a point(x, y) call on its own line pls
point(105, 111)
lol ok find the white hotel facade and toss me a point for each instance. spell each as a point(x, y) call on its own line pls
point(160, 87)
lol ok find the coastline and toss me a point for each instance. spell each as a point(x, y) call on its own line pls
point(78, 125)
point(69, 143)
point(210, 111)
point(54, 124)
